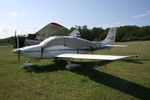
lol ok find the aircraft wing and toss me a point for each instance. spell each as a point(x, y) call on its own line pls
point(91, 56)
point(49, 30)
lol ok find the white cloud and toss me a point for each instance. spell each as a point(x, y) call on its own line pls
point(8, 30)
point(16, 14)
point(146, 13)
point(52, 14)
point(116, 24)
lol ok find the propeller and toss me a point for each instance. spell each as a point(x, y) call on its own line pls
point(18, 48)
point(17, 45)
point(42, 49)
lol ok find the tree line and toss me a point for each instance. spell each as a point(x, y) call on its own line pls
point(124, 33)
point(7, 41)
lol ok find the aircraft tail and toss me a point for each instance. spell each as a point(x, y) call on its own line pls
point(75, 34)
point(110, 38)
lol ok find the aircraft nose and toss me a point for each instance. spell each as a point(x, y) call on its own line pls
point(16, 51)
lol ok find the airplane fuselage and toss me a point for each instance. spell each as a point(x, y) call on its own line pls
point(60, 44)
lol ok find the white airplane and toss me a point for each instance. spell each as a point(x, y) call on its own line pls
point(68, 47)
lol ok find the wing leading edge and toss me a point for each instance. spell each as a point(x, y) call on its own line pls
point(88, 56)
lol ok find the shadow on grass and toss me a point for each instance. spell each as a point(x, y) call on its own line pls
point(137, 61)
point(114, 82)
point(58, 65)
point(109, 80)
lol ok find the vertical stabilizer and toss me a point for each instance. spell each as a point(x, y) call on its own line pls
point(75, 33)
point(110, 38)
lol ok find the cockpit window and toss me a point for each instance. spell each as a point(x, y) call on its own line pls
point(66, 42)
point(46, 41)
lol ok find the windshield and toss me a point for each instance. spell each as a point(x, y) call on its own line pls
point(44, 42)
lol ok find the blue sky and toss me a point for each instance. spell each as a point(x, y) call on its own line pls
point(28, 16)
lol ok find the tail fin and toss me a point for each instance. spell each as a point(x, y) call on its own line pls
point(110, 38)
point(75, 34)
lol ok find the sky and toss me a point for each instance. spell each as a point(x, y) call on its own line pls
point(29, 16)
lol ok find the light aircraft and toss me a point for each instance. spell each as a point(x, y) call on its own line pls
point(71, 47)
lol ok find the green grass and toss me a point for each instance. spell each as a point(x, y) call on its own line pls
point(127, 79)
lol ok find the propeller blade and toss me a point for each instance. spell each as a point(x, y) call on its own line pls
point(18, 48)
point(42, 52)
point(15, 40)
point(19, 55)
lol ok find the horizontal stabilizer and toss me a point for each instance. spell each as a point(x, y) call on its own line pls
point(89, 56)
point(116, 45)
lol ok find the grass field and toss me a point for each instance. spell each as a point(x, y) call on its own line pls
point(127, 79)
